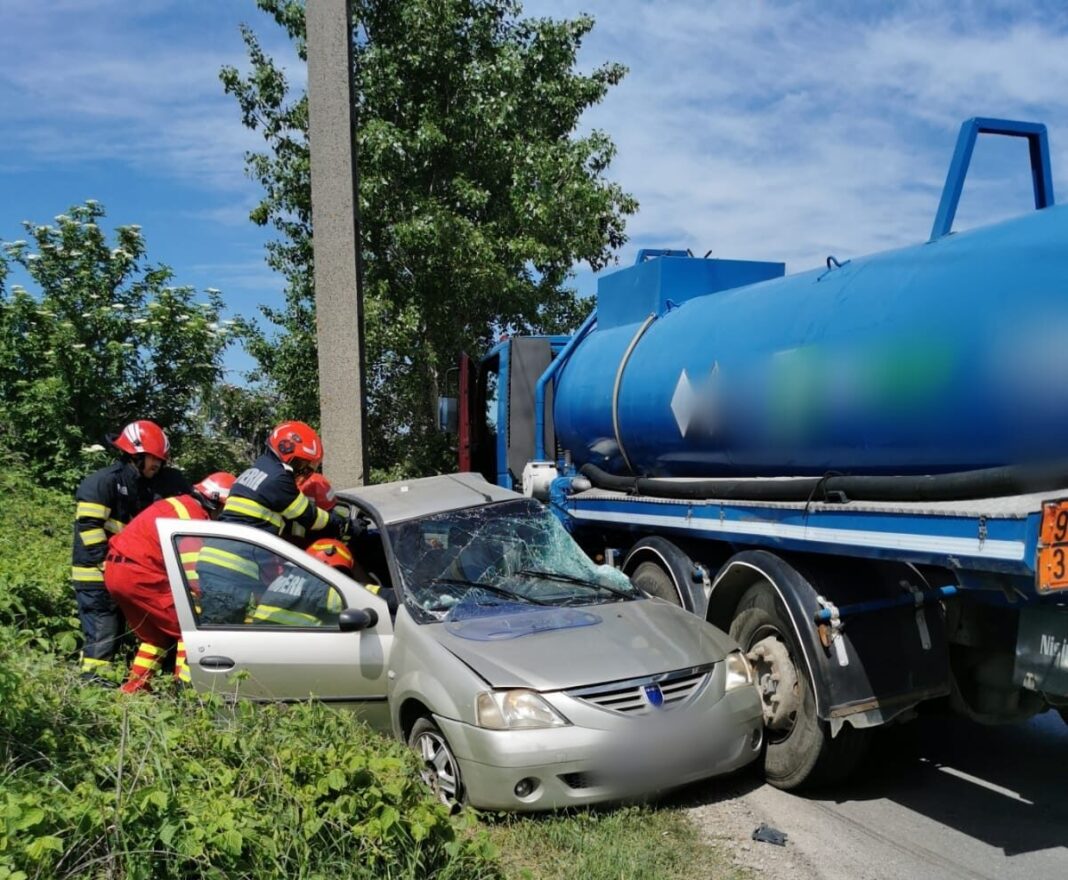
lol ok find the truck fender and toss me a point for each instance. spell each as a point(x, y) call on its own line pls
point(881, 664)
point(750, 567)
point(675, 563)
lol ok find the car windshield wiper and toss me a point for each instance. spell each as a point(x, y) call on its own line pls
point(490, 588)
point(571, 579)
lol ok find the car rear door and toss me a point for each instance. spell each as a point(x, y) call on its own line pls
point(253, 655)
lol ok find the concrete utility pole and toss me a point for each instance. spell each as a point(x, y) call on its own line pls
point(336, 239)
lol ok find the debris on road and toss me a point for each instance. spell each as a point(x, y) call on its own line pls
point(766, 834)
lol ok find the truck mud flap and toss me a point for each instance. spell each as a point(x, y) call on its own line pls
point(1042, 650)
point(869, 667)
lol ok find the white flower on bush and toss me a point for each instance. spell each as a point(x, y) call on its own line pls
point(139, 321)
point(118, 307)
point(78, 345)
point(96, 447)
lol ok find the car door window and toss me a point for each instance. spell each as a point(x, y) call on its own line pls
point(235, 583)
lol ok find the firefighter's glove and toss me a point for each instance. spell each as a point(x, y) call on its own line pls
point(338, 525)
point(357, 523)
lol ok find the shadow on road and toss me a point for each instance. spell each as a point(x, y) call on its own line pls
point(1003, 786)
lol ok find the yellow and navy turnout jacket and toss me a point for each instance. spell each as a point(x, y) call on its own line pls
point(296, 598)
point(107, 499)
point(266, 497)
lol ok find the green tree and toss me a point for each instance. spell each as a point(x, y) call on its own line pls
point(106, 338)
point(476, 198)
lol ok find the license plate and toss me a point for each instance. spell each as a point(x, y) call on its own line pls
point(1042, 650)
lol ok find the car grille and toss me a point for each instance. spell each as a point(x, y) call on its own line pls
point(637, 696)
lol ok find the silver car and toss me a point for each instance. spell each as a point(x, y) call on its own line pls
point(525, 675)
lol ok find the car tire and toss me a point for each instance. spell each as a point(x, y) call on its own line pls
point(650, 578)
point(800, 751)
point(441, 770)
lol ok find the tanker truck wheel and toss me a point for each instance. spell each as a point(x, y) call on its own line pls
point(650, 578)
point(800, 750)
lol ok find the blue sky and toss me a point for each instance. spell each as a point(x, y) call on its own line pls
point(759, 130)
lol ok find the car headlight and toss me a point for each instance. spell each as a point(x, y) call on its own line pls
point(739, 671)
point(515, 709)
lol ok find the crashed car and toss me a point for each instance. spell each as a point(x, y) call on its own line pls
point(526, 676)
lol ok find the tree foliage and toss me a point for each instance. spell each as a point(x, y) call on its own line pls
point(476, 197)
point(105, 338)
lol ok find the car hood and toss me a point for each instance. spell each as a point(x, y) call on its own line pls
point(589, 645)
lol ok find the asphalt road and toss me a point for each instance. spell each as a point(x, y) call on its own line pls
point(944, 799)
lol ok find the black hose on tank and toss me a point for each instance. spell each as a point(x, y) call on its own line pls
point(959, 486)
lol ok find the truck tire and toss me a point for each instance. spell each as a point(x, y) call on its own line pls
point(800, 751)
point(661, 569)
point(650, 577)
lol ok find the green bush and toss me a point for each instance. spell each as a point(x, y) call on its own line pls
point(101, 785)
point(36, 526)
point(94, 784)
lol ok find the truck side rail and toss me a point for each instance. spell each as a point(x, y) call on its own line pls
point(998, 535)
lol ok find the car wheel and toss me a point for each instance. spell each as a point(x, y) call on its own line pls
point(650, 578)
point(441, 770)
point(800, 750)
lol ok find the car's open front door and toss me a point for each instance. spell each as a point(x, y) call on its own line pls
point(260, 619)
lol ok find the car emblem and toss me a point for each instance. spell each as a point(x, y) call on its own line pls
point(654, 696)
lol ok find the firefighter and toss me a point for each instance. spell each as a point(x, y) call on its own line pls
point(136, 577)
point(294, 599)
point(107, 499)
point(265, 497)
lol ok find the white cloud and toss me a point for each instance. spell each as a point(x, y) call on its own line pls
point(127, 84)
point(794, 130)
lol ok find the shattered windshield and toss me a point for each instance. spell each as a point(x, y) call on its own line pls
point(510, 556)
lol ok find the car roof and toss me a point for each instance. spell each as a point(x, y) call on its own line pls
point(409, 499)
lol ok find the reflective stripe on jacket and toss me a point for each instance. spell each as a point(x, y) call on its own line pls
point(295, 598)
point(266, 497)
point(106, 500)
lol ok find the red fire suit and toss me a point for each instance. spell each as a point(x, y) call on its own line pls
point(136, 578)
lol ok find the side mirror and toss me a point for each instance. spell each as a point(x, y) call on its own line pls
point(449, 415)
point(355, 619)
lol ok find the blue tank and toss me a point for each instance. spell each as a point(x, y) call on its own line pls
point(946, 356)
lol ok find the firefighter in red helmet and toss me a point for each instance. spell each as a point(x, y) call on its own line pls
point(106, 500)
point(136, 577)
point(266, 497)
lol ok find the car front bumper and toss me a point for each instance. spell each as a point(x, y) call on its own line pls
point(575, 765)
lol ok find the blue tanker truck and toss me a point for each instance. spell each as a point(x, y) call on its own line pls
point(861, 471)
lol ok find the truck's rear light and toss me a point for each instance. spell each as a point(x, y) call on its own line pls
point(1052, 570)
